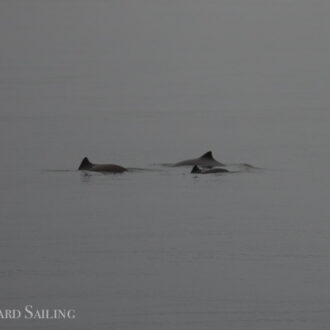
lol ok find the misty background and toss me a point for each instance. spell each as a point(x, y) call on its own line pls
point(140, 83)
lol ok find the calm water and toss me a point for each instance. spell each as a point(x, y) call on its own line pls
point(142, 83)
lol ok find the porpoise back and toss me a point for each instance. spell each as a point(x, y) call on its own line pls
point(197, 170)
point(205, 160)
point(86, 165)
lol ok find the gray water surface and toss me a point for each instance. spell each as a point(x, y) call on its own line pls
point(141, 83)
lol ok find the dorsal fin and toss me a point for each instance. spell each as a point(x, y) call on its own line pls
point(195, 169)
point(85, 164)
point(208, 155)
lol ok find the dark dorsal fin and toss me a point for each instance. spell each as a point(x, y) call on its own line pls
point(85, 164)
point(208, 155)
point(195, 169)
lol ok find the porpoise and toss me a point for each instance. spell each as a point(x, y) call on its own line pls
point(86, 165)
point(205, 160)
point(197, 170)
